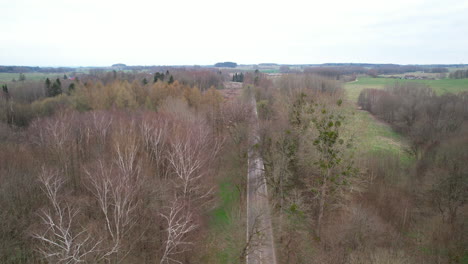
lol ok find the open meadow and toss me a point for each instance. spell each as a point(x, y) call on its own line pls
point(439, 86)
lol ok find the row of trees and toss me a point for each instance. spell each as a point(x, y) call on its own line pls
point(414, 110)
point(459, 74)
point(336, 72)
point(238, 77)
point(226, 64)
point(307, 157)
point(119, 94)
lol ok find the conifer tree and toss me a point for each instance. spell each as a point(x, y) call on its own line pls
point(55, 89)
point(71, 87)
point(47, 83)
point(6, 94)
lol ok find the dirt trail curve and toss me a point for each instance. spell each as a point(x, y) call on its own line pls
point(261, 249)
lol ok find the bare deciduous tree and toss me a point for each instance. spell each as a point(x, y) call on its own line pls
point(179, 225)
point(154, 134)
point(59, 242)
point(101, 125)
point(116, 187)
point(191, 150)
point(53, 133)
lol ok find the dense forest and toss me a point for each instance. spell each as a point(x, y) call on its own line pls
point(150, 167)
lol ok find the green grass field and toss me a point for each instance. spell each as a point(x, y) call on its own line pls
point(373, 136)
point(33, 76)
point(439, 86)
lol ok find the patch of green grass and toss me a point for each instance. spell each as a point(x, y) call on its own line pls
point(224, 224)
point(372, 136)
point(227, 221)
point(229, 196)
point(269, 70)
point(353, 89)
point(33, 76)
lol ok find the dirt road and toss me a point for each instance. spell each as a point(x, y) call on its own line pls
point(259, 229)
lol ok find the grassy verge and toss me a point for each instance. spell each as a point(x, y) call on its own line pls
point(227, 220)
point(371, 135)
point(226, 225)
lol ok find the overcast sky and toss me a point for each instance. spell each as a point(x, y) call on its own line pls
point(203, 32)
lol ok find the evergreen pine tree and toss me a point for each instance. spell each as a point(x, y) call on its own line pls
point(48, 87)
point(71, 87)
point(6, 94)
point(158, 77)
point(55, 89)
point(171, 80)
point(5, 89)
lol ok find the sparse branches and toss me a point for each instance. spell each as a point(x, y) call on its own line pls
point(53, 133)
point(190, 151)
point(179, 224)
point(116, 186)
point(449, 192)
point(154, 135)
point(255, 239)
point(101, 124)
point(60, 243)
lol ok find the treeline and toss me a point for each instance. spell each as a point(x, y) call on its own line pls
point(238, 77)
point(437, 70)
point(459, 74)
point(307, 161)
point(203, 79)
point(95, 96)
point(416, 111)
point(226, 64)
point(336, 72)
point(28, 69)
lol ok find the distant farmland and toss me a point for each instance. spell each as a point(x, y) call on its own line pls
point(439, 86)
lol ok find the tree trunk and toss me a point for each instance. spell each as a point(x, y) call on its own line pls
point(323, 193)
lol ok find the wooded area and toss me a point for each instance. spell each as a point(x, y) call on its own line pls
point(120, 167)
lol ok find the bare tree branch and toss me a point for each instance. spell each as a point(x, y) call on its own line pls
point(179, 224)
point(59, 243)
